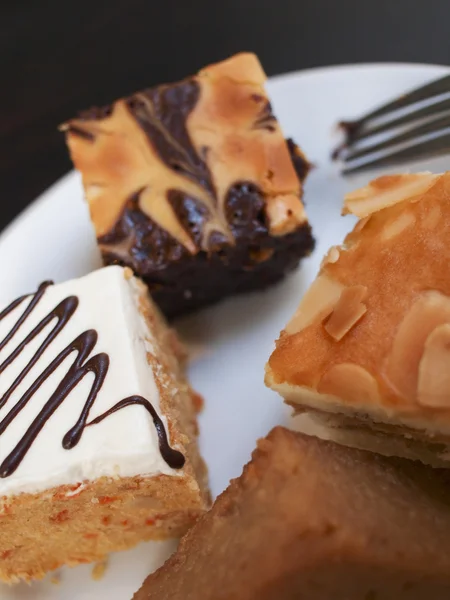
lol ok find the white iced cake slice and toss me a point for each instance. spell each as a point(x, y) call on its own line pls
point(98, 427)
point(367, 353)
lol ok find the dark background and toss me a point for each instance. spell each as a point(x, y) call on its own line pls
point(58, 56)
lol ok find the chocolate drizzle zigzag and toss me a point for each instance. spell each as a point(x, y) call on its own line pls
point(98, 364)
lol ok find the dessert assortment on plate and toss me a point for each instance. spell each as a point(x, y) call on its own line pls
point(195, 195)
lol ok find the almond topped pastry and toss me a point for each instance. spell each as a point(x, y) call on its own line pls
point(98, 430)
point(367, 352)
point(194, 186)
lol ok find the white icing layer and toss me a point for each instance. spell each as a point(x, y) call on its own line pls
point(125, 443)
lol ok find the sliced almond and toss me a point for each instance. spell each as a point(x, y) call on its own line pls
point(332, 256)
point(352, 383)
point(433, 388)
point(387, 191)
point(396, 226)
point(347, 312)
point(317, 303)
point(433, 217)
point(401, 368)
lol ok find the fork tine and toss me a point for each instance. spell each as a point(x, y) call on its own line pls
point(435, 88)
point(429, 127)
point(425, 149)
point(421, 113)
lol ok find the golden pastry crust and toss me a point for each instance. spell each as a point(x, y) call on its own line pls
point(231, 129)
point(371, 336)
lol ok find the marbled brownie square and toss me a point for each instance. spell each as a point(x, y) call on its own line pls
point(194, 186)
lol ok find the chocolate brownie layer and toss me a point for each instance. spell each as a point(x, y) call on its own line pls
point(194, 187)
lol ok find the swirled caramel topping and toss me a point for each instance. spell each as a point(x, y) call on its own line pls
point(373, 331)
point(199, 137)
point(120, 162)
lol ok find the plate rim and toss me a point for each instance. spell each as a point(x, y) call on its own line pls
point(280, 78)
point(322, 69)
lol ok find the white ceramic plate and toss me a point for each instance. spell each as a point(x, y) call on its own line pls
point(54, 239)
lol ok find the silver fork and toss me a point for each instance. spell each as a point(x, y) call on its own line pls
point(415, 125)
